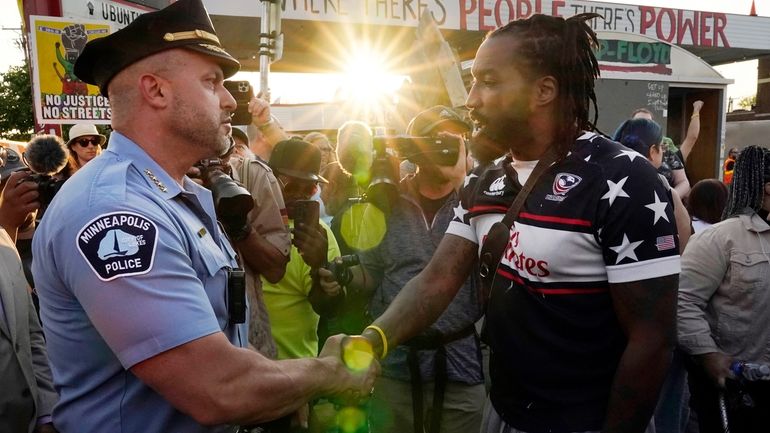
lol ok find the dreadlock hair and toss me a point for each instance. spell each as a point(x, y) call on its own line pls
point(752, 171)
point(563, 49)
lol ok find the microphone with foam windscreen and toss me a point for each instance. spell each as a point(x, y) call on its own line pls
point(46, 154)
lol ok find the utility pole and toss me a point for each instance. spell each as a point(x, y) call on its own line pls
point(270, 42)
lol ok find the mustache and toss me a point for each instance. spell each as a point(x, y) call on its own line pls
point(477, 117)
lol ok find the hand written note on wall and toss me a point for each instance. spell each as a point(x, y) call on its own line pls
point(657, 98)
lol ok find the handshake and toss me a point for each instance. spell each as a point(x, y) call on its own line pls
point(355, 368)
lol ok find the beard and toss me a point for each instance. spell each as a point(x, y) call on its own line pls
point(200, 129)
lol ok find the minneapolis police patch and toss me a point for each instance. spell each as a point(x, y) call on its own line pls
point(118, 244)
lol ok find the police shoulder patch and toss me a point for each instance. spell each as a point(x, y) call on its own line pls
point(118, 244)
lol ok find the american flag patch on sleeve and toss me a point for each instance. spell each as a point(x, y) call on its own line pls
point(664, 243)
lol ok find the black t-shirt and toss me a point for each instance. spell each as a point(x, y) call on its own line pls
point(431, 206)
point(600, 216)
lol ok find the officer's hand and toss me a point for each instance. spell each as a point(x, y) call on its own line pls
point(18, 199)
point(717, 367)
point(312, 244)
point(352, 382)
point(329, 284)
point(260, 111)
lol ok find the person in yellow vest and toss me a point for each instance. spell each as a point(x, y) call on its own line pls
point(729, 165)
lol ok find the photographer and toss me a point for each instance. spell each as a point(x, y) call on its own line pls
point(435, 381)
point(264, 243)
point(296, 301)
point(27, 396)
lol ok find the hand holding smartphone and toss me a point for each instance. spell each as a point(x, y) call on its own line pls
point(243, 93)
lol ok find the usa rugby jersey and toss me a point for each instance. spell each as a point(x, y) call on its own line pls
point(599, 216)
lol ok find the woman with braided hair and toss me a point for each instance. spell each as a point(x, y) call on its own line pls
point(581, 297)
point(724, 300)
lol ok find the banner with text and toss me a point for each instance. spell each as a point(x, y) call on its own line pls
point(675, 26)
point(61, 97)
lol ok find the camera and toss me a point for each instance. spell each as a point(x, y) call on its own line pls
point(384, 173)
point(232, 201)
point(340, 268)
point(47, 187)
point(442, 151)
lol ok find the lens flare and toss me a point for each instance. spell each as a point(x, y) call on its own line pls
point(363, 226)
point(357, 353)
point(351, 420)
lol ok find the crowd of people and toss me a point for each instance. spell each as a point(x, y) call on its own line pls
point(499, 268)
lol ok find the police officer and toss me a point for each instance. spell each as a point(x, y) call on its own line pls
point(132, 268)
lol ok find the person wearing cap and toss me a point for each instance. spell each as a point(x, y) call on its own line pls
point(434, 380)
point(294, 302)
point(132, 269)
point(85, 143)
point(241, 144)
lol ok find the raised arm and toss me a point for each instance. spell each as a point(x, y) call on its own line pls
point(426, 296)
point(692, 131)
point(646, 311)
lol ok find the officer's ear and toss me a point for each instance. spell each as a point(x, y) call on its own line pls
point(155, 90)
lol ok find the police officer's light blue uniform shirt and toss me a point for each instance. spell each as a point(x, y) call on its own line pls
point(128, 265)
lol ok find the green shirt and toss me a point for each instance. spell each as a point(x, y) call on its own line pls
point(293, 322)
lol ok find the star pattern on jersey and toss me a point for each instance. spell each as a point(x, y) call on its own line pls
point(629, 153)
point(626, 249)
point(587, 158)
point(468, 179)
point(659, 207)
point(460, 212)
point(616, 190)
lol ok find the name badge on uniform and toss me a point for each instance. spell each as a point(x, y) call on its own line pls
point(118, 244)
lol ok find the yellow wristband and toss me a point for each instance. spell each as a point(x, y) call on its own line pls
point(382, 337)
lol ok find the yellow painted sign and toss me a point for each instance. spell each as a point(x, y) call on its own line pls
point(61, 97)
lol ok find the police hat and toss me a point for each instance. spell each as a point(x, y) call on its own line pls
point(297, 158)
point(184, 24)
point(426, 121)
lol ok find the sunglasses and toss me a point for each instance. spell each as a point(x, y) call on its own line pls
point(84, 142)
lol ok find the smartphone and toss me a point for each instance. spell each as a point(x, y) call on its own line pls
point(242, 92)
point(304, 211)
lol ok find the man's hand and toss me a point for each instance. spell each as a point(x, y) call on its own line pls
point(18, 199)
point(312, 244)
point(350, 383)
point(194, 173)
point(260, 111)
point(717, 367)
point(328, 283)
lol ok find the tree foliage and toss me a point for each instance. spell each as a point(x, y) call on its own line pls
point(748, 102)
point(16, 119)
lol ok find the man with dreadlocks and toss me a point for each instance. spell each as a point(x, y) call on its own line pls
point(580, 319)
point(724, 301)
